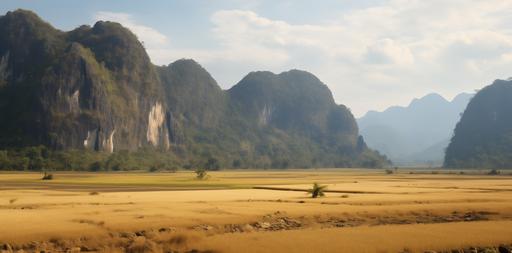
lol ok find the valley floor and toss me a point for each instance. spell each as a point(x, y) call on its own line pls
point(367, 211)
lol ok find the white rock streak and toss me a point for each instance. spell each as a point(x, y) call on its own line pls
point(156, 119)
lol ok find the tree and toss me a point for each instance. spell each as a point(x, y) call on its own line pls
point(237, 163)
point(201, 174)
point(493, 172)
point(212, 164)
point(96, 166)
point(317, 190)
point(4, 160)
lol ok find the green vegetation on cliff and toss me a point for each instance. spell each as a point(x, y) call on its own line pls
point(483, 136)
point(90, 99)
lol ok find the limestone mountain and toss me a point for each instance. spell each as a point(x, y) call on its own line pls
point(297, 109)
point(192, 93)
point(483, 136)
point(95, 88)
point(416, 134)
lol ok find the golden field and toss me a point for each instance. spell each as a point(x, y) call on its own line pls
point(368, 211)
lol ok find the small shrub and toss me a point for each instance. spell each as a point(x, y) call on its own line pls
point(47, 176)
point(94, 193)
point(388, 171)
point(153, 169)
point(98, 166)
point(212, 164)
point(494, 172)
point(344, 196)
point(12, 201)
point(201, 174)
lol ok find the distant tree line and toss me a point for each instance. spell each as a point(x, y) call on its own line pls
point(41, 158)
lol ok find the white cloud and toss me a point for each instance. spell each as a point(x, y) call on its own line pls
point(149, 36)
point(383, 55)
point(370, 57)
point(386, 51)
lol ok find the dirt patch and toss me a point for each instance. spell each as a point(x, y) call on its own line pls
point(90, 222)
point(487, 249)
point(280, 221)
point(150, 241)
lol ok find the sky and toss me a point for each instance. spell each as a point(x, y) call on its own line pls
point(371, 53)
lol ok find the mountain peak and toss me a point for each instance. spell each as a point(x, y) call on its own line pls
point(431, 98)
point(24, 15)
point(107, 26)
point(404, 133)
point(462, 98)
point(296, 75)
point(186, 63)
point(191, 69)
point(28, 19)
point(298, 72)
point(114, 29)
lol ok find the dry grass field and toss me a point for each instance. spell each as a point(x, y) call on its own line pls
point(366, 211)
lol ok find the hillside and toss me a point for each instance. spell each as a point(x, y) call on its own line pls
point(293, 116)
point(94, 89)
point(483, 136)
point(416, 134)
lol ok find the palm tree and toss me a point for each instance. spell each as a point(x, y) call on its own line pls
point(317, 190)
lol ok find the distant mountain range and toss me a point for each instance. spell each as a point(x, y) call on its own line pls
point(415, 135)
point(95, 89)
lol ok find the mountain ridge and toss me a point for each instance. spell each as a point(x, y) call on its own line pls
point(96, 89)
point(404, 133)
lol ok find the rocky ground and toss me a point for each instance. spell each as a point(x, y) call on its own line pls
point(133, 243)
point(172, 239)
point(489, 249)
point(280, 221)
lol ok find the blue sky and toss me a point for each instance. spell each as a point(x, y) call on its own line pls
point(372, 54)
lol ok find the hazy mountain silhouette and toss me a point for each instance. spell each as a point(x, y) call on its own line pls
point(416, 134)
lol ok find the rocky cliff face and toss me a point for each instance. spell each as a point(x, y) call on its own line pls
point(194, 99)
point(95, 88)
point(192, 94)
point(483, 136)
point(296, 102)
point(293, 116)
